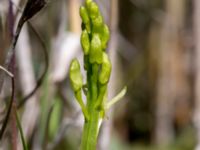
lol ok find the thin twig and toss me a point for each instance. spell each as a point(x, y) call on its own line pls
point(13, 125)
point(46, 58)
point(7, 72)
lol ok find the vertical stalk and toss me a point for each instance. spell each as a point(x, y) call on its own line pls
point(13, 127)
point(90, 129)
point(11, 67)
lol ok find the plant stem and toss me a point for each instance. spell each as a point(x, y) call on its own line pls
point(90, 131)
point(91, 126)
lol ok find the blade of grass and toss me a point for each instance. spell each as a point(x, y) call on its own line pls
point(21, 132)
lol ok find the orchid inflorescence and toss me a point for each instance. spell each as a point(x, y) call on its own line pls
point(94, 39)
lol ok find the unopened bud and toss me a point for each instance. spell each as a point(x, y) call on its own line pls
point(93, 10)
point(75, 75)
point(104, 75)
point(84, 15)
point(97, 23)
point(85, 42)
point(105, 36)
point(95, 55)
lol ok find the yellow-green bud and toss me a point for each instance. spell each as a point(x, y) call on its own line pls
point(87, 3)
point(85, 42)
point(105, 36)
point(104, 75)
point(95, 55)
point(75, 75)
point(93, 10)
point(97, 23)
point(84, 15)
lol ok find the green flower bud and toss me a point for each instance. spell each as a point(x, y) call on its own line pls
point(84, 15)
point(88, 2)
point(105, 69)
point(75, 75)
point(85, 42)
point(95, 55)
point(105, 36)
point(93, 10)
point(97, 23)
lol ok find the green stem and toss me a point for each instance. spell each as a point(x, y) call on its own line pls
point(91, 126)
point(93, 81)
point(90, 132)
point(102, 92)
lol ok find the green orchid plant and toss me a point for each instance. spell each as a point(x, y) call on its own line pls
point(94, 39)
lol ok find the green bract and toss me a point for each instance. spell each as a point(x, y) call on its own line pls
point(75, 75)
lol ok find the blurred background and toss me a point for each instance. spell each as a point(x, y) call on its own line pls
point(155, 52)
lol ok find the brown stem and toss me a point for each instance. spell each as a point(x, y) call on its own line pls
point(13, 128)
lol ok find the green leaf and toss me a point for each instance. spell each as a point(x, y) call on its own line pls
point(21, 132)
